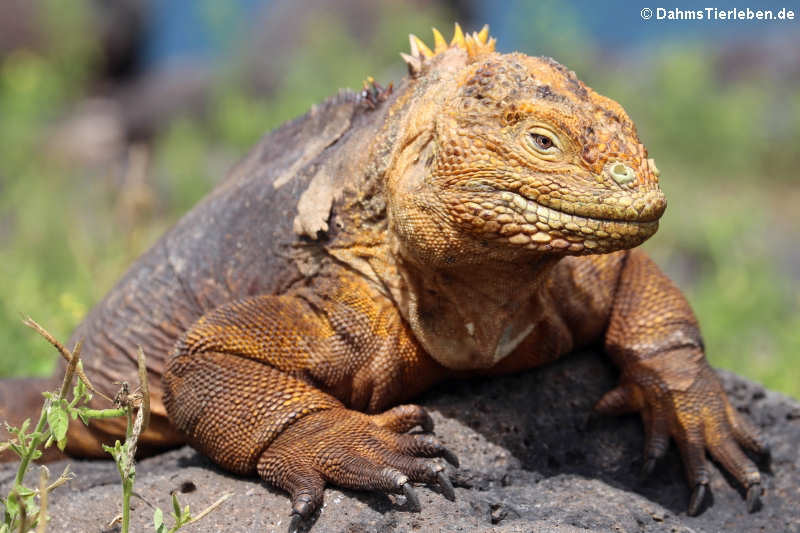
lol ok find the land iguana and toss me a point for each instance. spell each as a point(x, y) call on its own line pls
point(479, 218)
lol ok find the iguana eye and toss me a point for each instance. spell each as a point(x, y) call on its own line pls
point(543, 142)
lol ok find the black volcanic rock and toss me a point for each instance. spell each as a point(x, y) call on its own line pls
point(533, 458)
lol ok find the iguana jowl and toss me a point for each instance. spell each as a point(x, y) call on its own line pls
point(480, 218)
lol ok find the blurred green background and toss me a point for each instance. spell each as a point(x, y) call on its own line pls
point(116, 118)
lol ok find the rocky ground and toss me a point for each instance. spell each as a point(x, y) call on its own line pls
point(532, 459)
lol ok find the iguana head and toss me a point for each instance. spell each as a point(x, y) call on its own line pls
point(504, 156)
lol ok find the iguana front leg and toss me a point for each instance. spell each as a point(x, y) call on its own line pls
point(270, 384)
point(654, 337)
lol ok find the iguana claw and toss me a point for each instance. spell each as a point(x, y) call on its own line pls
point(698, 495)
point(450, 457)
point(411, 497)
point(446, 486)
point(753, 497)
point(648, 467)
point(294, 522)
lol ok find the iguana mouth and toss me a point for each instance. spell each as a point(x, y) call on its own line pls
point(621, 210)
point(545, 227)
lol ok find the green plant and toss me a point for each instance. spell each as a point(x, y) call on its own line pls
point(21, 510)
point(22, 513)
point(183, 517)
point(124, 452)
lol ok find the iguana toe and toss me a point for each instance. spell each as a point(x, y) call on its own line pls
point(403, 418)
point(690, 406)
point(426, 446)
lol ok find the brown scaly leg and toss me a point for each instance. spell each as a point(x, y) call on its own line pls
point(653, 336)
point(264, 384)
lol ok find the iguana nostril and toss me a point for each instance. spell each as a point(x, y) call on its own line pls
point(620, 172)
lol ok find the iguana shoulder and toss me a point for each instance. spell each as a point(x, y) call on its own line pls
point(259, 231)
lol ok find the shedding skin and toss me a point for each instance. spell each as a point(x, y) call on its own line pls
point(484, 221)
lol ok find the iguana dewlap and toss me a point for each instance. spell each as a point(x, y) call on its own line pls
point(479, 218)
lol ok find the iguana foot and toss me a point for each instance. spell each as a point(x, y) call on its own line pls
point(689, 405)
point(357, 451)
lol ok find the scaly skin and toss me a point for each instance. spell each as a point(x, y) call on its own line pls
point(479, 221)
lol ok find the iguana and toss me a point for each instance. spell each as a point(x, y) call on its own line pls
point(479, 218)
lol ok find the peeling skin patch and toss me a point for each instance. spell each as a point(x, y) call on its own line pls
point(314, 206)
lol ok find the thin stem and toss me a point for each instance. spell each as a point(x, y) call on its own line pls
point(132, 431)
point(127, 488)
point(129, 426)
point(34, 444)
point(105, 413)
point(144, 389)
point(44, 477)
point(73, 359)
point(71, 366)
point(31, 323)
point(210, 508)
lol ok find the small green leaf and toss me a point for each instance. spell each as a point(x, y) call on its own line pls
point(158, 518)
point(36, 454)
point(25, 492)
point(12, 505)
point(58, 420)
point(115, 451)
point(79, 389)
point(176, 507)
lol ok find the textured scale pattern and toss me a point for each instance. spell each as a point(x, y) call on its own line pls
point(479, 218)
